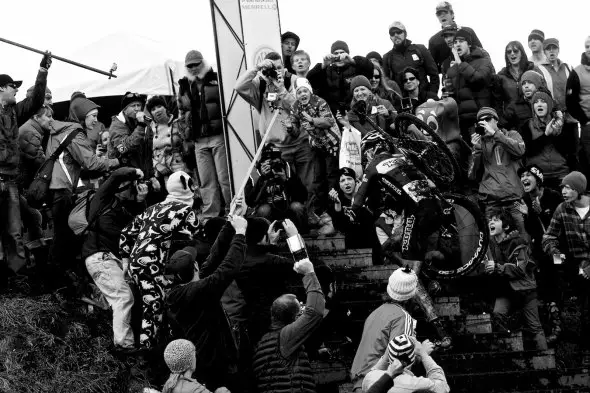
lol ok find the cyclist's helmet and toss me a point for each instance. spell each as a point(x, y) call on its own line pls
point(374, 143)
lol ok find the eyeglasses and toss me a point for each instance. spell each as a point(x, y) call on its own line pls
point(510, 51)
point(193, 65)
point(487, 118)
point(376, 77)
point(410, 79)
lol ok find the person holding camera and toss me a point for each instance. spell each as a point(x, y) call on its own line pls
point(413, 95)
point(278, 193)
point(145, 244)
point(496, 155)
point(266, 89)
point(130, 140)
point(331, 78)
point(113, 206)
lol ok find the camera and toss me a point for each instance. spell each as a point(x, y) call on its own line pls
point(407, 104)
point(276, 166)
point(270, 72)
point(479, 130)
point(148, 183)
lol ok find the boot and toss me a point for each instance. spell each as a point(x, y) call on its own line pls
point(444, 341)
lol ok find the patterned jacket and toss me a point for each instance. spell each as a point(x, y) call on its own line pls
point(323, 131)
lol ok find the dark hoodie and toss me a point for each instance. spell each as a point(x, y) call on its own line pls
point(513, 262)
point(130, 141)
point(79, 108)
point(471, 83)
point(513, 109)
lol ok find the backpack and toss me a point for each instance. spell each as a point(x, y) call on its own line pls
point(38, 191)
point(79, 220)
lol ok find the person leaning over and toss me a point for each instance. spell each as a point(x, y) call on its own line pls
point(281, 362)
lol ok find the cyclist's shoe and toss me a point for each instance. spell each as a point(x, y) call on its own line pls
point(444, 345)
point(444, 341)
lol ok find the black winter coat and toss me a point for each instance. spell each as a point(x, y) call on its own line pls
point(513, 109)
point(205, 106)
point(471, 83)
point(439, 49)
point(416, 56)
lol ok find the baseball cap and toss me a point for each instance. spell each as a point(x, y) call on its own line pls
point(550, 41)
point(6, 79)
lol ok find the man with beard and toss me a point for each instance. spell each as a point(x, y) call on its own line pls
point(199, 101)
point(536, 39)
point(470, 74)
point(12, 116)
point(541, 203)
point(407, 54)
point(438, 45)
point(567, 234)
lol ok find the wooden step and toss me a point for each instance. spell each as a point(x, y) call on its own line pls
point(351, 258)
point(325, 244)
point(496, 361)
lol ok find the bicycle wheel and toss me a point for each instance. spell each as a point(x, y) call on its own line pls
point(463, 239)
point(432, 156)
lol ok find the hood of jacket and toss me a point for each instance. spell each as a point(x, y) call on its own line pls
point(57, 127)
point(476, 53)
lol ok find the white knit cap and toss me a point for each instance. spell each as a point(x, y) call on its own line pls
point(402, 284)
point(302, 82)
point(180, 189)
point(178, 355)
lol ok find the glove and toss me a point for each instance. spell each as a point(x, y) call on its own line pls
point(46, 61)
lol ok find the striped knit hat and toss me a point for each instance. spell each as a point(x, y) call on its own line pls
point(487, 111)
point(178, 355)
point(401, 348)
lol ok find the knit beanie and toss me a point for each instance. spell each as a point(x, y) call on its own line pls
point(462, 33)
point(541, 95)
point(532, 76)
point(376, 56)
point(359, 80)
point(537, 34)
point(402, 284)
point(402, 348)
point(533, 170)
point(346, 171)
point(576, 180)
point(339, 45)
point(154, 102)
point(178, 355)
point(180, 188)
point(550, 41)
point(32, 88)
point(182, 264)
point(77, 94)
point(449, 28)
point(80, 107)
point(130, 98)
point(302, 82)
point(257, 228)
point(290, 34)
point(486, 111)
point(192, 57)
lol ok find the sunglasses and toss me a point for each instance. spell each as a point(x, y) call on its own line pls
point(132, 95)
point(393, 32)
point(487, 118)
point(441, 12)
point(510, 51)
point(376, 77)
point(193, 65)
point(13, 85)
point(410, 79)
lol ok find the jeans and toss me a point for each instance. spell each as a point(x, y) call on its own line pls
point(213, 174)
point(304, 160)
point(11, 244)
point(326, 178)
point(527, 300)
point(296, 213)
point(32, 220)
point(107, 273)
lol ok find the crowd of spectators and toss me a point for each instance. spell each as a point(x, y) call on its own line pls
point(162, 233)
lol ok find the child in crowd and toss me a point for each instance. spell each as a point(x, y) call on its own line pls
point(544, 144)
point(312, 113)
point(181, 358)
point(511, 263)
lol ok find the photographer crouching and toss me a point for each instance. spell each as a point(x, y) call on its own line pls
point(278, 193)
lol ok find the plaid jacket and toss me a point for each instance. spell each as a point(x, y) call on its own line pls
point(567, 222)
point(323, 131)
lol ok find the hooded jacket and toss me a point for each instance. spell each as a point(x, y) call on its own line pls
point(440, 50)
point(416, 56)
point(513, 261)
point(471, 82)
point(131, 142)
point(14, 116)
point(513, 109)
point(32, 141)
point(500, 157)
point(547, 152)
point(77, 156)
point(201, 99)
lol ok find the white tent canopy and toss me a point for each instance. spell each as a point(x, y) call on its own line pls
point(143, 67)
